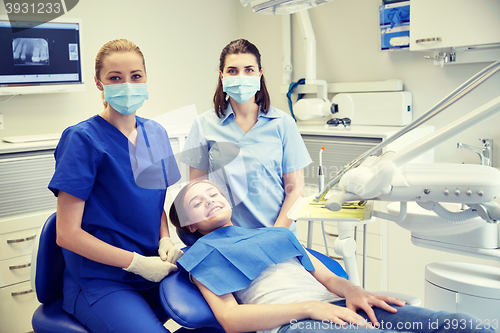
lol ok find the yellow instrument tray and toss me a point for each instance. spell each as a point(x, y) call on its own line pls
point(309, 208)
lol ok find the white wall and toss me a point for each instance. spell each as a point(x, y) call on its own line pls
point(181, 41)
point(347, 37)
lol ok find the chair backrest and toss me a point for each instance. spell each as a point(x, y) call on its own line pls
point(181, 299)
point(185, 304)
point(47, 263)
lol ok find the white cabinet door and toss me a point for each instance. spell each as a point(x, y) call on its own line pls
point(437, 24)
point(17, 305)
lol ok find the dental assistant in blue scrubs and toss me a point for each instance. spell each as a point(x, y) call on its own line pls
point(111, 175)
point(252, 150)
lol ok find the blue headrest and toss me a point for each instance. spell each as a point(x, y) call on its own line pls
point(49, 263)
point(187, 237)
point(184, 303)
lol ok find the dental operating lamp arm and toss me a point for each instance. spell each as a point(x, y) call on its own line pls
point(389, 178)
point(310, 45)
point(375, 178)
point(480, 114)
point(287, 49)
point(471, 119)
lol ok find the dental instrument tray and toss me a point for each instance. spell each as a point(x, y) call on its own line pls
point(308, 209)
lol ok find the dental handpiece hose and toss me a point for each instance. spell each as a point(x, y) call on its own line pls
point(321, 175)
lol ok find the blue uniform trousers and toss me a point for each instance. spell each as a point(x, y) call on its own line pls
point(123, 311)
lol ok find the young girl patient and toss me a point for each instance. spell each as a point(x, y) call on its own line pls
point(264, 280)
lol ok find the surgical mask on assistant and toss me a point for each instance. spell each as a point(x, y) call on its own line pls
point(126, 98)
point(241, 88)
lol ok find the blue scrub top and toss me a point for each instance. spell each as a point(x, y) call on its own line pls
point(249, 167)
point(124, 190)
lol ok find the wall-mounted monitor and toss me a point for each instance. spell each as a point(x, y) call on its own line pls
point(46, 58)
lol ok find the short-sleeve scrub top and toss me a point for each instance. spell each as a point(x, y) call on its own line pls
point(249, 167)
point(124, 189)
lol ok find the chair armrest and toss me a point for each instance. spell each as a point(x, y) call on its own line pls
point(330, 263)
point(184, 303)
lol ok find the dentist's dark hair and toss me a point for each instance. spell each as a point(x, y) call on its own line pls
point(221, 100)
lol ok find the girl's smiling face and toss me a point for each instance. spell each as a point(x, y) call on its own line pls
point(206, 208)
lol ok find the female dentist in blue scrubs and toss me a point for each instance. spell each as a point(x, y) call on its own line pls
point(111, 226)
point(249, 148)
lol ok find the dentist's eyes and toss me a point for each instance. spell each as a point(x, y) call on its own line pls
point(136, 76)
point(114, 78)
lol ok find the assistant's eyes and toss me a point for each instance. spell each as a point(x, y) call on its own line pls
point(136, 76)
point(114, 78)
point(249, 70)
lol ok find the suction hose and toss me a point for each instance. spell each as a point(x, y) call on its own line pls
point(452, 217)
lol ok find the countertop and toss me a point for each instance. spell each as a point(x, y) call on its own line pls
point(355, 130)
point(6, 147)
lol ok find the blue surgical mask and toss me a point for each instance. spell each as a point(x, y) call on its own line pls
point(126, 98)
point(241, 88)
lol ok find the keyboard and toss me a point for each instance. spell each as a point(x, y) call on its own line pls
point(32, 138)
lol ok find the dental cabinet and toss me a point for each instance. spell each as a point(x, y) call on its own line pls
point(342, 146)
point(464, 287)
point(458, 30)
point(25, 203)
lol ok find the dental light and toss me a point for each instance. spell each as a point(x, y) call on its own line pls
point(281, 7)
point(311, 108)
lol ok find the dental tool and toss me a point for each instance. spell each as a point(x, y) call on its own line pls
point(321, 184)
point(321, 175)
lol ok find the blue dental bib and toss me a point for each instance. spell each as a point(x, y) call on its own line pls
point(229, 258)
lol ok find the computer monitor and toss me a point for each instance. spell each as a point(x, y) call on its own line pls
point(46, 58)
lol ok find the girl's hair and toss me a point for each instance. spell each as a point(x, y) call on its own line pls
point(177, 214)
point(261, 97)
point(111, 47)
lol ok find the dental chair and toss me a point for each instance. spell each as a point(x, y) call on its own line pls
point(181, 300)
point(47, 268)
point(185, 304)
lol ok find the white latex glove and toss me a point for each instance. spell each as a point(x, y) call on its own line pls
point(168, 251)
point(151, 268)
